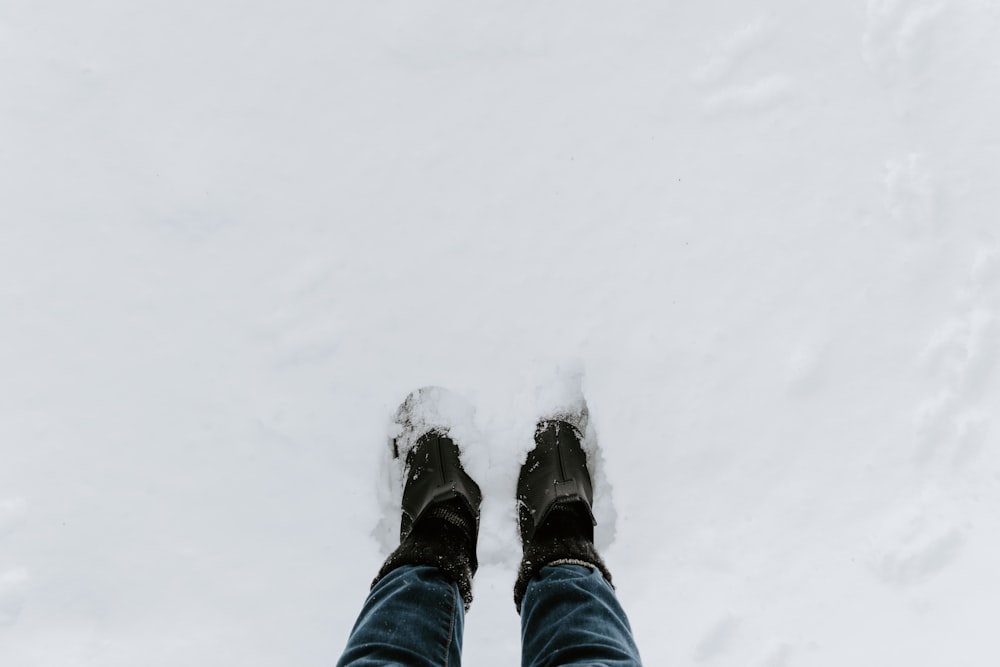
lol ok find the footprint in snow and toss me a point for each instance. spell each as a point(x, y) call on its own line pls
point(920, 541)
point(962, 355)
point(724, 94)
point(779, 657)
point(913, 196)
point(899, 36)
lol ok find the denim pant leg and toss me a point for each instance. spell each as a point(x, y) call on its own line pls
point(414, 617)
point(570, 616)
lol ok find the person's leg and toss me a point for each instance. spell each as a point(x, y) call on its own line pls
point(414, 616)
point(571, 616)
point(415, 612)
point(569, 612)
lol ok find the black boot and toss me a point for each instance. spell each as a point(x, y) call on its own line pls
point(440, 522)
point(554, 504)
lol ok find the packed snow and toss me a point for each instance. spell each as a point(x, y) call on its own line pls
point(763, 236)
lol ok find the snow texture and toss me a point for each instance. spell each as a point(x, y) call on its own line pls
point(763, 237)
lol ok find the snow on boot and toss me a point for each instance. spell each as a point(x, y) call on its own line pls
point(440, 502)
point(554, 503)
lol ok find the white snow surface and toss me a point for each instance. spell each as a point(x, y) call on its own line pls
point(234, 236)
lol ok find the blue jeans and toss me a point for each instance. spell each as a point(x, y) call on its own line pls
point(414, 617)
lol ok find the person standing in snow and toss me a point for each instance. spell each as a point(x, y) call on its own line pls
point(414, 614)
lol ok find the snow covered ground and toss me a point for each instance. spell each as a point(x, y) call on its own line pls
point(234, 235)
